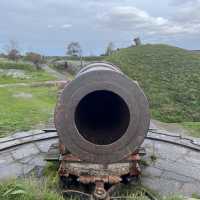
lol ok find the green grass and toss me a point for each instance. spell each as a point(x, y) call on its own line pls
point(193, 128)
point(33, 189)
point(93, 58)
point(47, 188)
point(137, 192)
point(174, 197)
point(5, 64)
point(22, 113)
point(51, 173)
point(28, 189)
point(35, 76)
point(196, 196)
point(170, 78)
point(30, 71)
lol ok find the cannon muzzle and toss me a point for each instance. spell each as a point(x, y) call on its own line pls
point(102, 116)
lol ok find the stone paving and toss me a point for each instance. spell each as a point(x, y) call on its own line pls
point(29, 155)
point(170, 169)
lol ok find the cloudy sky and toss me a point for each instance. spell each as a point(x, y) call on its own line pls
point(47, 26)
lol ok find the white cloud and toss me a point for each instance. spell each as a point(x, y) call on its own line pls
point(128, 18)
point(182, 2)
point(66, 26)
point(50, 26)
point(189, 13)
point(124, 19)
point(188, 16)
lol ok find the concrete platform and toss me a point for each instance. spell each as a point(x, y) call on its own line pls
point(171, 169)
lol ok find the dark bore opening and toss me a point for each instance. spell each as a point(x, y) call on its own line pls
point(102, 117)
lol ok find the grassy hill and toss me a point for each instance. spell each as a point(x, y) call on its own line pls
point(170, 78)
point(30, 73)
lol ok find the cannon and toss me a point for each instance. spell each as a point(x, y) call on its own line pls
point(102, 118)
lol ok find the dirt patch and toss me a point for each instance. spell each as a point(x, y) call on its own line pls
point(23, 95)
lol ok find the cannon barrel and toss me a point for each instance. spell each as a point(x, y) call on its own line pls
point(102, 116)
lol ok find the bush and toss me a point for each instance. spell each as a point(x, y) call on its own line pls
point(14, 65)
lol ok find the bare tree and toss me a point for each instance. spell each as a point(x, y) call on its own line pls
point(12, 51)
point(109, 49)
point(74, 49)
point(13, 55)
point(35, 58)
point(12, 44)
